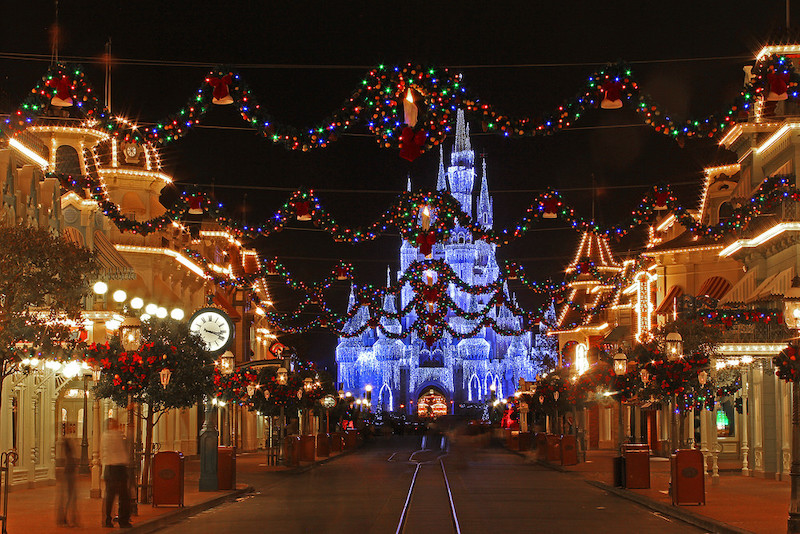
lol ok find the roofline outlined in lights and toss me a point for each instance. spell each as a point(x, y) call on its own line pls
point(762, 238)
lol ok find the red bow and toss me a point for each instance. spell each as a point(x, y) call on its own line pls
point(431, 294)
point(661, 200)
point(342, 273)
point(425, 242)
point(778, 82)
point(220, 86)
point(196, 206)
point(411, 143)
point(550, 208)
point(611, 95)
point(63, 88)
point(430, 340)
point(272, 267)
point(302, 209)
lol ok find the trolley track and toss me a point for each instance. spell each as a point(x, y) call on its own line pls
point(429, 495)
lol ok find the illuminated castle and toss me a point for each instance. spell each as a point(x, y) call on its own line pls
point(402, 372)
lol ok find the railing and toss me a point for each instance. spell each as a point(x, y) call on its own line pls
point(7, 459)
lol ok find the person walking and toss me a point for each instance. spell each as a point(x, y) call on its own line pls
point(115, 458)
point(67, 510)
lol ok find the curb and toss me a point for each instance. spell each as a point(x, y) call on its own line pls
point(706, 523)
point(165, 520)
point(315, 463)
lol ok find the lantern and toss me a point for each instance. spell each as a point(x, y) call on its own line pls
point(282, 375)
point(165, 375)
point(620, 364)
point(555, 396)
point(130, 333)
point(645, 375)
point(251, 389)
point(266, 394)
point(674, 346)
point(227, 362)
point(702, 377)
point(791, 305)
point(307, 384)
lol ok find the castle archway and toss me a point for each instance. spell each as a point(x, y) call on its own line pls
point(432, 402)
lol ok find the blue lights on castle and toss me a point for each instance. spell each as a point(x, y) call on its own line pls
point(410, 376)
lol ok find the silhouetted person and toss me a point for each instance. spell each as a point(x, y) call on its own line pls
point(115, 472)
point(67, 510)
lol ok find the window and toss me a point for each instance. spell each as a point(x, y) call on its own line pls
point(67, 160)
point(726, 419)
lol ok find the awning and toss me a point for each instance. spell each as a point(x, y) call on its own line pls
point(668, 304)
point(112, 264)
point(741, 290)
point(775, 286)
point(714, 288)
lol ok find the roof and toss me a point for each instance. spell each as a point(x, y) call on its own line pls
point(113, 265)
point(686, 240)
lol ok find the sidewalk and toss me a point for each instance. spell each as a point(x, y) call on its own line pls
point(34, 510)
point(748, 504)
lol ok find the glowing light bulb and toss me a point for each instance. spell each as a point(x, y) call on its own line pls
point(137, 303)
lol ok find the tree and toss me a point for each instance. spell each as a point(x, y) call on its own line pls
point(43, 280)
point(136, 376)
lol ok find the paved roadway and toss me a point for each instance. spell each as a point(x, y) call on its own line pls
point(492, 490)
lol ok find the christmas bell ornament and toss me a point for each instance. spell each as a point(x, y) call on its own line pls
point(611, 95)
point(221, 95)
point(272, 267)
point(342, 273)
point(411, 143)
point(196, 206)
point(63, 96)
point(410, 109)
point(550, 209)
point(778, 85)
point(303, 211)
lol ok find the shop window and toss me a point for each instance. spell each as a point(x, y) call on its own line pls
point(68, 161)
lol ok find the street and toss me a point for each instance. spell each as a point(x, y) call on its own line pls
point(368, 491)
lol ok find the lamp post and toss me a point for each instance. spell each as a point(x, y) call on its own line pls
point(674, 346)
point(83, 464)
point(282, 376)
point(227, 363)
point(791, 314)
point(620, 368)
point(130, 333)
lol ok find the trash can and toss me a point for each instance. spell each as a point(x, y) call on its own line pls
point(291, 451)
point(307, 446)
point(350, 439)
point(168, 470)
point(688, 477)
point(637, 465)
point(226, 468)
point(553, 448)
point(323, 445)
point(524, 441)
point(540, 445)
point(336, 442)
point(569, 450)
point(512, 440)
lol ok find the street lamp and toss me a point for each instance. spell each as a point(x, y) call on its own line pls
point(282, 375)
point(620, 368)
point(165, 375)
point(674, 345)
point(83, 464)
point(227, 362)
point(130, 333)
point(368, 389)
point(791, 314)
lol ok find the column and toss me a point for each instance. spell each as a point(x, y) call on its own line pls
point(704, 438)
point(715, 446)
point(757, 419)
point(745, 422)
point(97, 429)
point(785, 415)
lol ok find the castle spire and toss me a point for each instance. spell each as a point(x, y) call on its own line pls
point(467, 140)
point(441, 182)
point(408, 186)
point(388, 276)
point(483, 199)
point(461, 137)
point(352, 300)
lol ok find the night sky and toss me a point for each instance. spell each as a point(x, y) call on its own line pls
point(324, 49)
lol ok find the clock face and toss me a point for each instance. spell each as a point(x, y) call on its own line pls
point(214, 327)
point(131, 150)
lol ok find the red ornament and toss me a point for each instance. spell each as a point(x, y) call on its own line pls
point(431, 294)
point(425, 242)
point(411, 143)
point(778, 85)
point(222, 95)
point(63, 96)
point(611, 95)
point(302, 210)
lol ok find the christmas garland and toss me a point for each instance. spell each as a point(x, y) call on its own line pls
point(406, 107)
point(786, 364)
